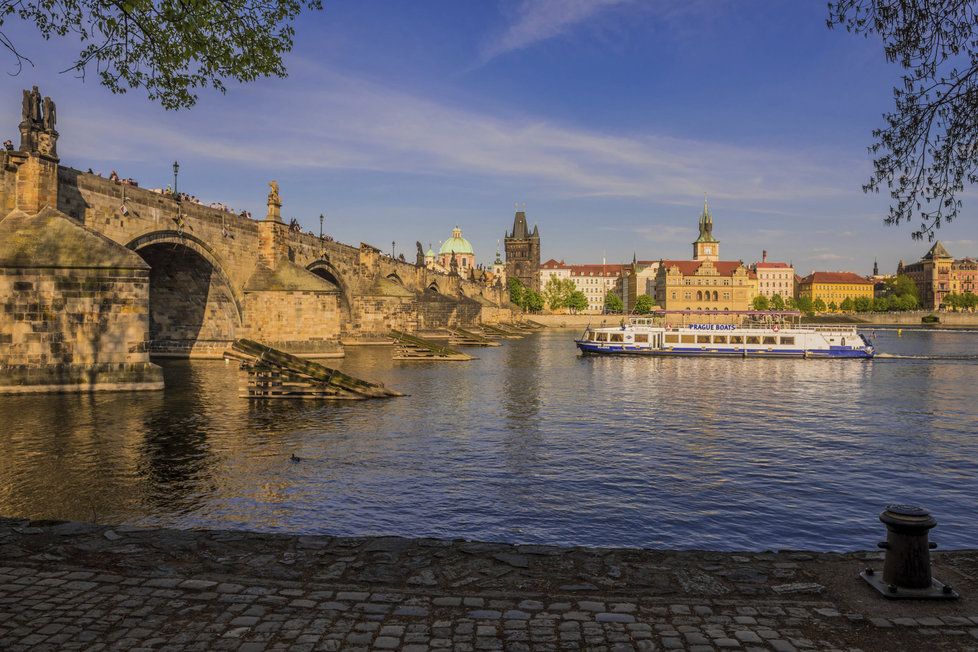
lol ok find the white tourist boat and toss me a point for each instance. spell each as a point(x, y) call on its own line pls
point(764, 334)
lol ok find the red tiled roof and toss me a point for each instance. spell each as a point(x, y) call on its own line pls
point(837, 277)
point(553, 264)
point(723, 267)
point(772, 265)
point(596, 270)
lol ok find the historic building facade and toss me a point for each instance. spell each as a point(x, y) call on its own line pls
point(595, 281)
point(835, 287)
point(705, 283)
point(523, 252)
point(774, 278)
point(638, 279)
point(938, 274)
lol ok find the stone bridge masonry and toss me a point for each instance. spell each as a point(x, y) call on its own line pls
point(143, 273)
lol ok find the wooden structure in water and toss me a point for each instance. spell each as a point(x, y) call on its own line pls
point(498, 330)
point(270, 373)
point(463, 337)
point(412, 347)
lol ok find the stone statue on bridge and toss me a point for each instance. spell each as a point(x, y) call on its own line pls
point(274, 203)
point(453, 265)
point(419, 261)
point(38, 118)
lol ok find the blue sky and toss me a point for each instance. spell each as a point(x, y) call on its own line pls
point(608, 118)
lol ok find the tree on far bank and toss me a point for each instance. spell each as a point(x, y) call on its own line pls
point(613, 303)
point(643, 304)
point(761, 302)
point(577, 301)
point(819, 305)
point(516, 291)
point(168, 49)
point(804, 304)
point(928, 149)
point(777, 302)
point(847, 305)
point(833, 306)
point(532, 301)
point(557, 292)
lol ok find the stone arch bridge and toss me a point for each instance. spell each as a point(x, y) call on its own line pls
point(173, 277)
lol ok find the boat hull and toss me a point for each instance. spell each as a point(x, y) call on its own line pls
point(592, 348)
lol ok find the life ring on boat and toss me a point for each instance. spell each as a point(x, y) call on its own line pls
point(775, 328)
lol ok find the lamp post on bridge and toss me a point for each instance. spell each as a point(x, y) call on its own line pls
point(176, 171)
point(393, 244)
point(322, 239)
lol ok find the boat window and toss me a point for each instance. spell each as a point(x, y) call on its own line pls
point(753, 339)
point(591, 335)
point(787, 340)
point(702, 339)
point(770, 339)
point(602, 337)
point(719, 339)
point(672, 339)
point(616, 337)
point(641, 337)
point(736, 339)
point(688, 339)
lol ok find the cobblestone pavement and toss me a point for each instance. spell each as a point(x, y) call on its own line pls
point(72, 586)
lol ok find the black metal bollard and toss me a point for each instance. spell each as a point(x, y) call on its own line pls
point(906, 565)
point(907, 562)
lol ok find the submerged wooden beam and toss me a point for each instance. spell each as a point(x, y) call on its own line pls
point(499, 330)
point(463, 337)
point(412, 347)
point(270, 373)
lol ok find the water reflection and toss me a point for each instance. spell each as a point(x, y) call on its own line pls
point(531, 442)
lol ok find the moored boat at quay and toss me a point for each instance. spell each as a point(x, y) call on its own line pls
point(762, 334)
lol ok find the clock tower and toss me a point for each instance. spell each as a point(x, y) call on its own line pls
point(706, 247)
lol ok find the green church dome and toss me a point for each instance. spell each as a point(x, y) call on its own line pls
point(456, 244)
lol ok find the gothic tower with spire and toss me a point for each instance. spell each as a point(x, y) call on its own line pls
point(706, 247)
point(523, 252)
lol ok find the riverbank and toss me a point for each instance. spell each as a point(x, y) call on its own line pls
point(69, 585)
point(949, 320)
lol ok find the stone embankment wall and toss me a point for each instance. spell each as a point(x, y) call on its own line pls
point(914, 317)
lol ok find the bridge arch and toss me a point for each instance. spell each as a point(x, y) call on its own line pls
point(393, 276)
point(192, 300)
point(326, 270)
point(433, 287)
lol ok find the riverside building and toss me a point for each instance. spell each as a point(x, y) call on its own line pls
point(705, 283)
point(939, 274)
point(774, 278)
point(835, 287)
point(595, 281)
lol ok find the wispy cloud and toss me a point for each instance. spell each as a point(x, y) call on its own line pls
point(540, 20)
point(351, 124)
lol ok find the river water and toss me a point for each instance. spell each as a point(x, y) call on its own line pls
point(529, 443)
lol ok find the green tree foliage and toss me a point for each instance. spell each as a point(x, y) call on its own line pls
point(532, 301)
point(791, 304)
point(517, 291)
point(819, 305)
point(761, 302)
point(965, 301)
point(577, 301)
point(170, 49)
point(643, 304)
point(557, 292)
point(898, 293)
point(804, 304)
point(863, 304)
point(613, 303)
point(927, 150)
point(833, 306)
point(847, 305)
point(777, 302)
